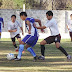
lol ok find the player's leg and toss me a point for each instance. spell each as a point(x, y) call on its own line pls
point(20, 42)
point(21, 48)
point(47, 40)
point(31, 42)
point(14, 44)
point(57, 43)
point(0, 30)
point(70, 35)
point(29, 48)
point(18, 38)
point(62, 50)
point(42, 44)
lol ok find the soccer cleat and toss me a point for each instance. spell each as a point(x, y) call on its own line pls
point(16, 49)
point(41, 58)
point(17, 59)
point(68, 58)
point(35, 58)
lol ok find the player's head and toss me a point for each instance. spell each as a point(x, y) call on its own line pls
point(71, 16)
point(49, 15)
point(13, 18)
point(23, 15)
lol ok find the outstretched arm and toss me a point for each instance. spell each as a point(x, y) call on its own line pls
point(42, 27)
point(39, 22)
point(12, 30)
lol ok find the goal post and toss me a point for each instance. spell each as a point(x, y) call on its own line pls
point(24, 21)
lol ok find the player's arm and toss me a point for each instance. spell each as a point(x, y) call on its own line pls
point(12, 30)
point(22, 30)
point(48, 24)
point(67, 27)
point(28, 23)
point(3, 24)
point(39, 22)
point(42, 27)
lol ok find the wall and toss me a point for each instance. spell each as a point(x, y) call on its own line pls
point(61, 16)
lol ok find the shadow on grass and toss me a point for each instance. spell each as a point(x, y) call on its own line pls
point(53, 56)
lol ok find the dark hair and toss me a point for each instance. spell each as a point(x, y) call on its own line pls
point(23, 13)
point(13, 15)
point(50, 13)
point(71, 15)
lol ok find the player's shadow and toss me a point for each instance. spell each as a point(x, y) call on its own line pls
point(53, 56)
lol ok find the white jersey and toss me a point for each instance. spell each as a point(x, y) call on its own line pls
point(70, 25)
point(52, 24)
point(12, 26)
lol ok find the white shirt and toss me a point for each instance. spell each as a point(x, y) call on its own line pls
point(12, 26)
point(70, 25)
point(52, 24)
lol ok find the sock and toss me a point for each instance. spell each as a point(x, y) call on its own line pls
point(42, 49)
point(21, 48)
point(63, 51)
point(15, 46)
point(31, 51)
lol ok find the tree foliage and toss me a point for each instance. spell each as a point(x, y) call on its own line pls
point(36, 4)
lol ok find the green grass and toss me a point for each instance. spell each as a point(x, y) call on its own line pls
point(55, 61)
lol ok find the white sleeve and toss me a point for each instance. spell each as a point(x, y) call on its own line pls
point(48, 24)
point(19, 24)
point(8, 26)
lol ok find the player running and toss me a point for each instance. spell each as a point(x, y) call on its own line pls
point(1, 22)
point(55, 36)
point(69, 26)
point(31, 38)
point(14, 30)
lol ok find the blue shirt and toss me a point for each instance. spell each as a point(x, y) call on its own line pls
point(1, 21)
point(33, 29)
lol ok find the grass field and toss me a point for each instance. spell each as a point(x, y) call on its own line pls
point(55, 61)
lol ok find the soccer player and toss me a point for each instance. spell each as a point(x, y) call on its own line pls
point(31, 38)
point(55, 36)
point(69, 26)
point(1, 22)
point(14, 30)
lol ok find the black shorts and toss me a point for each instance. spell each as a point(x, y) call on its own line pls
point(52, 39)
point(70, 34)
point(17, 36)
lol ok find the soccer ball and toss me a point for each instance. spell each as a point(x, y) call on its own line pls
point(10, 56)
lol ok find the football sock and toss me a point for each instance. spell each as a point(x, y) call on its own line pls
point(63, 51)
point(42, 49)
point(31, 51)
point(21, 48)
point(15, 46)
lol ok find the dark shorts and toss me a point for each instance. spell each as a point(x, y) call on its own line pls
point(70, 34)
point(52, 39)
point(17, 36)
